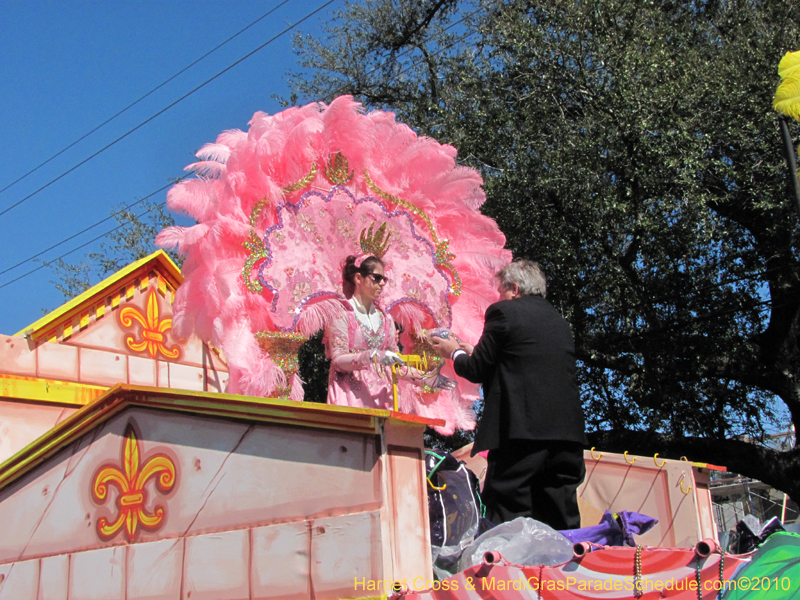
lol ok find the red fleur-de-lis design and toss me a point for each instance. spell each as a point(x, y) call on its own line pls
point(130, 480)
point(152, 329)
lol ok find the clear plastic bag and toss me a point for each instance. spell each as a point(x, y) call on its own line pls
point(522, 541)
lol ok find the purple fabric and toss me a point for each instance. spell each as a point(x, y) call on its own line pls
point(615, 529)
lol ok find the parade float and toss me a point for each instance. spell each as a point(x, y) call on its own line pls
point(153, 433)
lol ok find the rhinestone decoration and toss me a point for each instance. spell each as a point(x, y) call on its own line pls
point(255, 247)
point(337, 170)
point(282, 348)
point(375, 244)
point(374, 339)
point(442, 254)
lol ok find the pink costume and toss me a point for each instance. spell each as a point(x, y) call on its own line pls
point(355, 378)
point(280, 206)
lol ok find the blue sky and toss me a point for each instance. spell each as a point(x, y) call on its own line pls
point(69, 66)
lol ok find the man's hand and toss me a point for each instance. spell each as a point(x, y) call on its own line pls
point(444, 347)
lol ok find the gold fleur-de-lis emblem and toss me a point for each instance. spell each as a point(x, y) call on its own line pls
point(152, 329)
point(130, 482)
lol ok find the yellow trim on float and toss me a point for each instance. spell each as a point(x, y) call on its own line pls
point(124, 279)
point(16, 387)
point(246, 408)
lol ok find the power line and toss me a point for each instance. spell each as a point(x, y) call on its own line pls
point(341, 88)
point(185, 176)
point(108, 218)
point(46, 264)
point(155, 89)
point(145, 122)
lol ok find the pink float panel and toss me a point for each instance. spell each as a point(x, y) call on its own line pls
point(343, 550)
point(672, 491)
point(280, 561)
point(142, 371)
point(186, 377)
point(155, 570)
point(57, 361)
point(230, 475)
point(54, 578)
point(248, 509)
point(19, 581)
point(162, 374)
point(665, 490)
point(16, 357)
point(100, 367)
point(216, 566)
point(98, 574)
point(21, 423)
point(320, 473)
point(104, 333)
point(41, 508)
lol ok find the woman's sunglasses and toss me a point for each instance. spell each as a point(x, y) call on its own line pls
point(378, 278)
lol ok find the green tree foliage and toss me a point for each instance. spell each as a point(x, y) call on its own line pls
point(132, 239)
point(631, 147)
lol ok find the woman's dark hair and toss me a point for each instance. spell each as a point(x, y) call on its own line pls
point(350, 269)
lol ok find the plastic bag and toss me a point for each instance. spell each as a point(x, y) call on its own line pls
point(750, 533)
point(522, 541)
point(454, 507)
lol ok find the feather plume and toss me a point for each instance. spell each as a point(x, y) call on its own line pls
point(297, 389)
point(314, 316)
point(216, 152)
point(208, 169)
point(303, 227)
point(787, 97)
point(789, 65)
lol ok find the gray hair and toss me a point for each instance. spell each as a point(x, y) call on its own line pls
point(527, 274)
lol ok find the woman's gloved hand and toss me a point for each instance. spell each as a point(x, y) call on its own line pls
point(387, 358)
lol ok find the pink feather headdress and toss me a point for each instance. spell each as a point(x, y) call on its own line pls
point(280, 207)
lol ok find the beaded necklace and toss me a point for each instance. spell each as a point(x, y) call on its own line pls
point(374, 339)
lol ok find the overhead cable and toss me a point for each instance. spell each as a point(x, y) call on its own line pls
point(163, 110)
point(155, 89)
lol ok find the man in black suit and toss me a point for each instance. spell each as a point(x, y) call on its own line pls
point(532, 422)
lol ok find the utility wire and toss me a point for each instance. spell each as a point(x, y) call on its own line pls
point(108, 218)
point(46, 264)
point(145, 122)
point(184, 177)
point(155, 89)
point(341, 88)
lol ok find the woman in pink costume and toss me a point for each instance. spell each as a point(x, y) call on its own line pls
point(280, 206)
point(362, 342)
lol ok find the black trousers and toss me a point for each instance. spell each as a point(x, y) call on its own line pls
point(537, 479)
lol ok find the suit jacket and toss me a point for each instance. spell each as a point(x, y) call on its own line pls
point(525, 361)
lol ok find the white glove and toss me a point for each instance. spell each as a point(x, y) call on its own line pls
point(388, 358)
